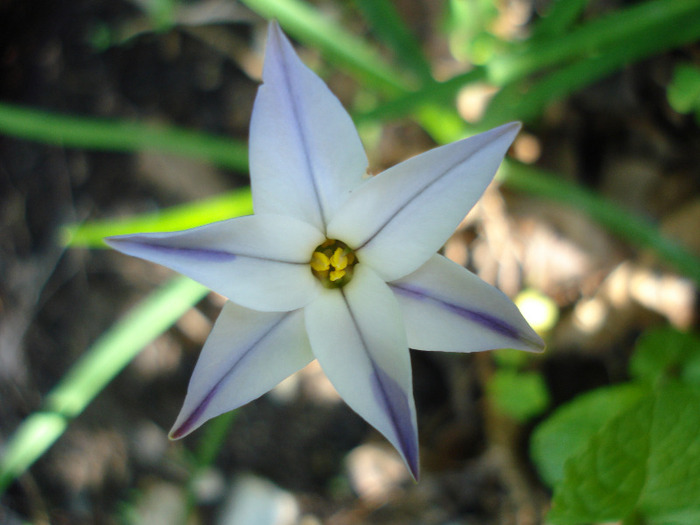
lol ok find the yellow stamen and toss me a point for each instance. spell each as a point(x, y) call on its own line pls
point(332, 263)
point(336, 274)
point(320, 262)
point(339, 260)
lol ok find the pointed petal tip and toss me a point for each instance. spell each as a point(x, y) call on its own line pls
point(112, 240)
point(401, 412)
point(115, 241)
point(120, 242)
point(180, 430)
point(414, 470)
point(276, 39)
point(535, 343)
point(510, 129)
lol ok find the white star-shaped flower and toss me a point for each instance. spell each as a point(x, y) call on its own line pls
point(336, 266)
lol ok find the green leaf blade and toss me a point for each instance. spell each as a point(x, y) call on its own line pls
point(665, 353)
point(302, 21)
point(604, 482)
point(391, 29)
point(569, 429)
point(95, 369)
point(218, 208)
point(645, 463)
point(674, 463)
point(119, 135)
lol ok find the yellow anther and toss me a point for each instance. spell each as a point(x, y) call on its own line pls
point(336, 274)
point(320, 262)
point(332, 263)
point(339, 260)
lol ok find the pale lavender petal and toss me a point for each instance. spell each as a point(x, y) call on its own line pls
point(398, 404)
point(305, 154)
point(446, 307)
point(357, 334)
point(258, 261)
point(246, 354)
point(401, 217)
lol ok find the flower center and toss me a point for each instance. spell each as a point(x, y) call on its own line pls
point(332, 263)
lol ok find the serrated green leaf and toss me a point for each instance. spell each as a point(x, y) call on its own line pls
point(645, 462)
point(521, 395)
point(673, 466)
point(666, 353)
point(566, 432)
point(603, 483)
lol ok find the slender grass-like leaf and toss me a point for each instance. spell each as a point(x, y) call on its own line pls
point(626, 27)
point(218, 208)
point(560, 16)
point(95, 369)
point(115, 135)
point(521, 178)
point(442, 93)
point(388, 25)
point(527, 99)
point(609, 42)
point(305, 23)
point(628, 226)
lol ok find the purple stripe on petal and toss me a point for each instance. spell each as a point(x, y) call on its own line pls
point(455, 165)
point(191, 421)
point(488, 321)
point(393, 401)
point(196, 254)
point(286, 63)
point(408, 202)
point(392, 398)
point(194, 418)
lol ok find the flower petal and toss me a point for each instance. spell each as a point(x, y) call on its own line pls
point(398, 219)
point(246, 354)
point(446, 307)
point(257, 261)
point(305, 154)
point(357, 335)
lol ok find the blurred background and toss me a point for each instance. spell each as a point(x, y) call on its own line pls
point(114, 109)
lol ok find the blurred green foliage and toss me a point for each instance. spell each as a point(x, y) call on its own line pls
point(521, 395)
point(630, 452)
point(684, 90)
point(625, 452)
